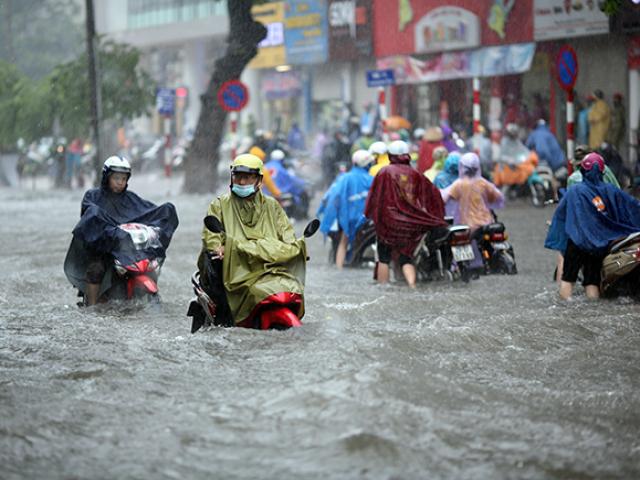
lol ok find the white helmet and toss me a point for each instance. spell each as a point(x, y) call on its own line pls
point(116, 163)
point(277, 154)
point(398, 148)
point(418, 133)
point(377, 148)
point(361, 158)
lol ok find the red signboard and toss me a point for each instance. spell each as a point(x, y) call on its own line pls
point(405, 28)
point(633, 53)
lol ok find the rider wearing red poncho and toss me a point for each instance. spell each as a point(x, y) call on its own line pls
point(403, 205)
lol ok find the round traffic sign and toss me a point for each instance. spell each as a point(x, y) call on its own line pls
point(233, 95)
point(567, 67)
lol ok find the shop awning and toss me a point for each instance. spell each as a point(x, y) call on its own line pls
point(483, 62)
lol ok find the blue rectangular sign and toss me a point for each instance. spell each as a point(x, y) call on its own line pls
point(306, 32)
point(380, 78)
point(166, 101)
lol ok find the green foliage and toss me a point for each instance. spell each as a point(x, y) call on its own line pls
point(127, 91)
point(611, 7)
point(28, 108)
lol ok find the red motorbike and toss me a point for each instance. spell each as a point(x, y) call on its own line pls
point(209, 307)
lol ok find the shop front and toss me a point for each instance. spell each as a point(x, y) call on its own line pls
point(437, 48)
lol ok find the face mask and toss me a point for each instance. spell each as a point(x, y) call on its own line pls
point(243, 190)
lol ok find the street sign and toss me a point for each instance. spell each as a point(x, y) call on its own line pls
point(567, 68)
point(233, 95)
point(166, 101)
point(380, 78)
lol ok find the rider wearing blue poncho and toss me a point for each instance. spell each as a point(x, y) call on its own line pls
point(345, 201)
point(285, 181)
point(590, 216)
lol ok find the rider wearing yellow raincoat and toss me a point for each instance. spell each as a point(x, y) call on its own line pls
point(261, 255)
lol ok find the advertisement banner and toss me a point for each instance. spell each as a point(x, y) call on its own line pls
point(271, 52)
point(484, 62)
point(349, 29)
point(276, 85)
point(567, 18)
point(402, 27)
point(305, 34)
point(633, 53)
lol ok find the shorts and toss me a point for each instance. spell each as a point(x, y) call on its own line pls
point(575, 259)
point(384, 255)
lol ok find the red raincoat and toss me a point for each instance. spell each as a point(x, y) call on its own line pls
point(425, 154)
point(403, 205)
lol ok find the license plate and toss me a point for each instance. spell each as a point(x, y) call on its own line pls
point(462, 253)
point(500, 246)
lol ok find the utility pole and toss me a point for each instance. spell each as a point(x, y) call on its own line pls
point(94, 87)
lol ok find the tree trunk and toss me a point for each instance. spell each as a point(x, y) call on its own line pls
point(201, 163)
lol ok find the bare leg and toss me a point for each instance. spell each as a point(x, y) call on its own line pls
point(383, 272)
point(341, 251)
point(566, 289)
point(559, 266)
point(592, 291)
point(91, 293)
point(409, 272)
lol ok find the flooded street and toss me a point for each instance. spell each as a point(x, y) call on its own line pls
point(494, 379)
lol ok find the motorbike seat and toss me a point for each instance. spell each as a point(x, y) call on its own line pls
point(623, 242)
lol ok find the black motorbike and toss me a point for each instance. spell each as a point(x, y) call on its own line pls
point(445, 253)
point(497, 252)
point(363, 250)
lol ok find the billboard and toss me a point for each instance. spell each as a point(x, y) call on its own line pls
point(567, 18)
point(271, 51)
point(349, 29)
point(305, 34)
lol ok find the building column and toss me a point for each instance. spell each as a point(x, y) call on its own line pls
point(195, 79)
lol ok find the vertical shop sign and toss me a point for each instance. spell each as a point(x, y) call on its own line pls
point(305, 34)
point(349, 29)
point(271, 52)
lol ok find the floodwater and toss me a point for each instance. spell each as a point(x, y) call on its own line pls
point(494, 379)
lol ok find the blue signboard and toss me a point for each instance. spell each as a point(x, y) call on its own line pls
point(380, 78)
point(166, 101)
point(305, 33)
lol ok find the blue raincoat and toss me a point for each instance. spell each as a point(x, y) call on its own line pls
point(450, 172)
point(285, 181)
point(344, 202)
point(593, 214)
point(546, 146)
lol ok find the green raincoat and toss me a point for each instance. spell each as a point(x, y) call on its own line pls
point(261, 253)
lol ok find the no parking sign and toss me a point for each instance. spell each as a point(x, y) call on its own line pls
point(233, 96)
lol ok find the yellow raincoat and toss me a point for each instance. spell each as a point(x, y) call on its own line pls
point(262, 255)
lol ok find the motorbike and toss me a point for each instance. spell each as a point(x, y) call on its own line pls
point(364, 249)
point(445, 253)
point(210, 308)
point(125, 280)
point(497, 252)
point(620, 274)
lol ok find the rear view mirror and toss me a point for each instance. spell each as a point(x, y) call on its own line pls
point(311, 228)
point(213, 224)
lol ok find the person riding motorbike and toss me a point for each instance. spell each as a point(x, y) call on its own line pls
point(261, 256)
point(403, 205)
point(266, 178)
point(439, 157)
point(345, 204)
point(517, 163)
point(290, 186)
point(378, 151)
point(476, 196)
point(590, 216)
point(96, 235)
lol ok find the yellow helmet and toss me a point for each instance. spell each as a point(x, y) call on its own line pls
point(247, 163)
